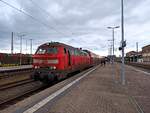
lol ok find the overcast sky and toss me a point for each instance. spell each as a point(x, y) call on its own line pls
point(80, 23)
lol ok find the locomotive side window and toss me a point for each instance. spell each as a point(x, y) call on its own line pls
point(52, 50)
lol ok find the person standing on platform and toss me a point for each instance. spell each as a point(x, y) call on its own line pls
point(103, 62)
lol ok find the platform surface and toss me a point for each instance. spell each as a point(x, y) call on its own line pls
point(97, 92)
point(15, 67)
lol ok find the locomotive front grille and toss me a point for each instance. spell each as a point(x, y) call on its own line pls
point(39, 61)
point(54, 61)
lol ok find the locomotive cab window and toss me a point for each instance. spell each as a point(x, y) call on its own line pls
point(41, 51)
point(50, 50)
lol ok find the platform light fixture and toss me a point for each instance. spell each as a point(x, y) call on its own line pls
point(113, 30)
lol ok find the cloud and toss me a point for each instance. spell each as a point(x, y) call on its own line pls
point(80, 23)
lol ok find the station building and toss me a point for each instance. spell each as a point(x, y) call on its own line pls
point(146, 53)
point(133, 56)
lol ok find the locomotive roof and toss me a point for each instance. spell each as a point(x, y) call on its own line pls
point(57, 44)
point(67, 46)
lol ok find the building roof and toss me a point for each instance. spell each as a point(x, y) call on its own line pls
point(147, 46)
point(131, 53)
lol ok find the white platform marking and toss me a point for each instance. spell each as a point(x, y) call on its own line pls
point(52, 96)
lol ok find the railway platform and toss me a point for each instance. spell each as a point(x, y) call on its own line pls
point(96, 91)
point(11, 68)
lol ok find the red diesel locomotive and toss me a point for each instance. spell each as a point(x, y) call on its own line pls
point(54, 61)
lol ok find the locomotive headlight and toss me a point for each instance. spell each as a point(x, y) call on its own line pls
point(36, 67)
point(54, 61)
point(53, 67)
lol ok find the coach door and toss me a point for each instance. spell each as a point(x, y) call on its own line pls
point(69, 58)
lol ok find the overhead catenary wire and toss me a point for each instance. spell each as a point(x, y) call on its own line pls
point(36, 33)
point(28, 33)
point(48, 14)
point(32, 17)
point(43, 10)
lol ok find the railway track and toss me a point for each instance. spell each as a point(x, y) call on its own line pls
point(24, 88)
point(14, 84)
point(7, 74)
point(35, 87)
point(5, 70)
point(140, 65)
point(14, 78)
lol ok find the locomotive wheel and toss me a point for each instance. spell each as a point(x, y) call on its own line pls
point(34, 76)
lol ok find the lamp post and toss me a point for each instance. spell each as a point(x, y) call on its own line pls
point(123, 44)
point(137, 51)
point(110, 49)
point(113, 29)
point(31, 40)
point(12, 43)
point(21, 47)
point(113, 48)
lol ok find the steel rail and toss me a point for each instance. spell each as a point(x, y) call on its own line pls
point(14, 70)
point(20, 94)
point(14, 84)
point(141, 65)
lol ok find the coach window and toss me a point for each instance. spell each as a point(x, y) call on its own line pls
point(75, 52)
point(83, 53)
point(72, 51)
point(78, 53)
